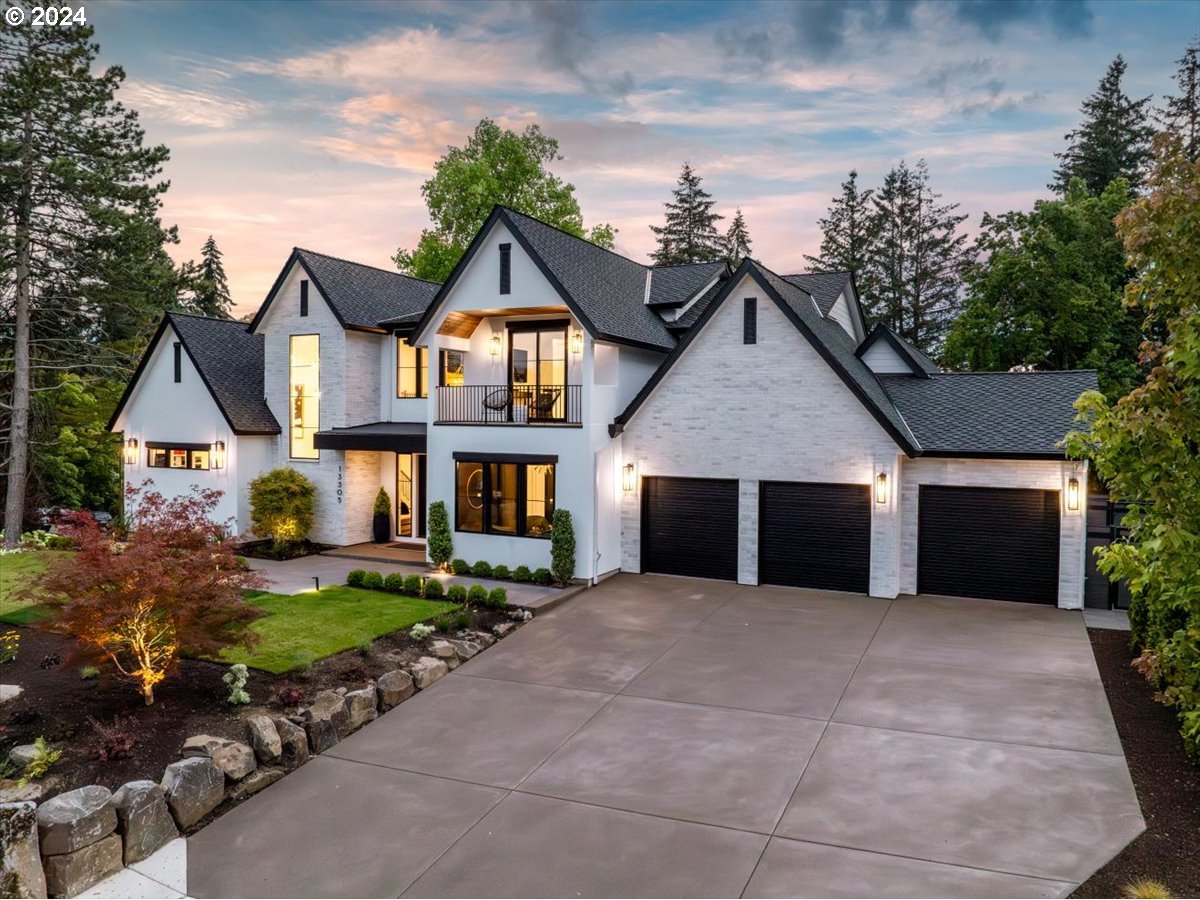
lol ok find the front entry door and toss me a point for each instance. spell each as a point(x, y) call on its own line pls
point(410, 495)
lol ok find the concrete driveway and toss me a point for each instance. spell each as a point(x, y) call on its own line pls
point(661, 736)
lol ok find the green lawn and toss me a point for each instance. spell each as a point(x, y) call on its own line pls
point(299, 629)
point(17, 570)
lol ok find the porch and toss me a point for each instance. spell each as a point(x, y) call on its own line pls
point(393, 552)
point(510, 404)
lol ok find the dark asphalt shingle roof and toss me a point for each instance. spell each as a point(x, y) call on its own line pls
point(230, 360)
point(825, 287)
point(990, 412)
point(696, 310)
point(674, 285)
point(915, 358)
point(364, 295)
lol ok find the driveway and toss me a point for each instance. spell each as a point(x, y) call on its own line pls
point(662, 736)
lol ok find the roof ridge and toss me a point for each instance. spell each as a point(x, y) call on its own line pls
point(351, 262)
point(1028, 372)
point(221, 319)
point(712, 262)
point(820, 272)
point(515, 212)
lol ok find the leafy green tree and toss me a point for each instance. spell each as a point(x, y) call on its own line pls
point(737, 240)
point(210, 288)
point(495, 166)
point(1112, 141)
point(1045, 291)
point(1181, 113)
point(689, 234)
point(78, 465)
point(849, 234)
point(1146, 446)
point(281, 506)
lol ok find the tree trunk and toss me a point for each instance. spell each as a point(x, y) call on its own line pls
point(18, 447)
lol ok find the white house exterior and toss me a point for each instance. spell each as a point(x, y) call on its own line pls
point(694, 421)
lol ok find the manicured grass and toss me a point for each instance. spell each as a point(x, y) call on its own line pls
point(16, 571)
point(299, 629)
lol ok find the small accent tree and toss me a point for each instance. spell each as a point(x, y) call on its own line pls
point(562, 548)
point(281, 506)
point(441, 544)
point(175, 586)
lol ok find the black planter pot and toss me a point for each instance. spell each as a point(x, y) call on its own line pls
point(381, 525)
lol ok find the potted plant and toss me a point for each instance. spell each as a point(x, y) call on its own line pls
point(381, 524)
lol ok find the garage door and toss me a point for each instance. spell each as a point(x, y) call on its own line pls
point(690, 527)
point(815, 535)
point(997, 543)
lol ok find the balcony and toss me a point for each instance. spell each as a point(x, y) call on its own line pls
point(510, 404)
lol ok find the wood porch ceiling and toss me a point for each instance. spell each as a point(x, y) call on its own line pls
point(463, 323)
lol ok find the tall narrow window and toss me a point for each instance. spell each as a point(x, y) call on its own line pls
point(304, 297)
point(750, 321)
point(505, 268)
point(304, 361)
point(404, 494)
point(452, 371)
point(410, 370)
point(178, 362)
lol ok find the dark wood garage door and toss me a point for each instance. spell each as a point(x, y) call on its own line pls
point(997, 543)
point(690, 527)
point(815, 535)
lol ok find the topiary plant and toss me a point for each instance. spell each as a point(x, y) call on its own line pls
point(383, 504)
point(477, 594)
point(542, 576)
point(394, 583)
point(501, 572)
point(456, 593)
point(434, 589)
point(412, 585)
point(281, 506)
point(439, 542)
point(482, 569)
point(562, 547)
point(521, 574)
point(497, 598)
point(461, 567)
point(373, 581)
point(355, 577)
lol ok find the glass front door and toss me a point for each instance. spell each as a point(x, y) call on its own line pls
point(538, 369)
point(404, 494)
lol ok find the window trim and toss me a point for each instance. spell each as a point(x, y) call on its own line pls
point(522, 462)
point(316, 458)
point(422, 371)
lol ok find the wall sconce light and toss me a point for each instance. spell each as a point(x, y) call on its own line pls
point(628, 477)
point(881, 488)
point(1073, 493)
point(577, 343)
point(494, 345)
point(218, 455)
point(131, 452)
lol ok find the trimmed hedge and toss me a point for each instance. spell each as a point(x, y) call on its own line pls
point(373, 581)
point(356, 577)
point(482, 569)
point(434, 589)
point(477, 594)
point(501, 571)
point(497, 598)
point(456, 593)
point(460, 567)
point(394, 583)
point(522, 574)
point(412, 585)
point(542, 576)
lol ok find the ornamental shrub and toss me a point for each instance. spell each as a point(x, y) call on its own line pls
point(542, 576)
point(440, 542)
point(477, 594)
point(373, 581)
point(562, 547)
point(412, 585)
point(281, 506)
point(434, 589)
point(482, 569)
point(355, 577)
point(522, 575)
point(383, 504)
point(497, 598)
point(501, 572)
point(456, 593)
point(394, 583)
point(461, 567)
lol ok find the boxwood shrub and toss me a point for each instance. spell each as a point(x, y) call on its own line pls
point(501, 571)
point(477, 594)
point(522, 574)
point(356, 577)
point(497, 598)
point(482, 569)
point(460, 567)
point(394, 583)
point(542, 576)
point(412, 585)
point(434, 589)
point(456, 593)
point(373, 581)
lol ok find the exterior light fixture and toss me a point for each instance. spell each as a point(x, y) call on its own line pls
point(317, 582)
point(131, 452)
point(628, 477)
point(881, 488)
point(218, 455)
point(1073, 493)
point(494, 345)
point(577, 343)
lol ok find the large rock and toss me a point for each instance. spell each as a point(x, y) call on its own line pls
point(426, 670)
point(73, 873)
point(482, 638)
point(233, 758)
point(504, 629)
point(255, 782)
point(294, 741)
point(22, 755)
point(75, 819)
point(327, 720)
point(394, 688)
point(444, 650)
point(194, 787)
point(264, 738)
point(143, 819)
point(20, 865)
point(465, 648)
point(361, 706)
point(10, 692)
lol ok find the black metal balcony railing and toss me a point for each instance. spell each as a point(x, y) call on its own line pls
point(510, 404)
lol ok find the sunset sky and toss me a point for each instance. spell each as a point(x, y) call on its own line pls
point(314, 123)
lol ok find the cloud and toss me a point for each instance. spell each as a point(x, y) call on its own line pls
point(567, 42)
point(184, 106)
point(1067, 18)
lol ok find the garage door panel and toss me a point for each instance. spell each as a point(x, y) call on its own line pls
point(690, 527)
point(995, 543)
point(815, 535)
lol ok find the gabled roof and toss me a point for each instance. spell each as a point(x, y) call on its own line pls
point(675, 285)
point(992, 414)
point(361, 297)
point(825, 287)
point(692, 314)
point(604, 290)
point(230, 362)
point(920, 364)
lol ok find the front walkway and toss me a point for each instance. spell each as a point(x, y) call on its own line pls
point(674, 737)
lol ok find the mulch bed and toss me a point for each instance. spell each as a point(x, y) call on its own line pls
point(268, 550)
point(1168, 785)
point(57, 702)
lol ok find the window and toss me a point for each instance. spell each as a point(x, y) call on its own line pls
point(178, 362)
point(304, 297)
point(410, 370)
point(750, 321)
point(453, 368)
point(538, 368)
point(504, 498)
point(506, 268)
point(186, 456)
point(305, 393)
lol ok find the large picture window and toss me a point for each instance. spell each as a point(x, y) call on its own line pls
point(504, 498)
point(410, 370)
point(185, 456)
point(304, 361)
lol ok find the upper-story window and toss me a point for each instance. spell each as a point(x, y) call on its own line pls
point(410, 370)
point(304, 367)
point(453, 368)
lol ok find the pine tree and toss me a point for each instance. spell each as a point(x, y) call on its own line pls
point(1113, 141)
point(848, 235)
point(1181, 114)
point(916, 265)
point(689, 234)
point(210, 290)
point(737, 240)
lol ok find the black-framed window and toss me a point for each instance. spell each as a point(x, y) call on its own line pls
point(515, 499)
point(163, 456)
point(410, 370)
point(750, 321)
point(452, 368)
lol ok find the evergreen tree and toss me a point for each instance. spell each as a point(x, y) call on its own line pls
point(915, 268)
point(848, 235)
point(689, 234)
point(210, 290)
point(737, 240)
point(81, 247)
point(1113, 141)
point(1181, 114)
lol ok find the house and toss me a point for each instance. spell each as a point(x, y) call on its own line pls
point(695, 421)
